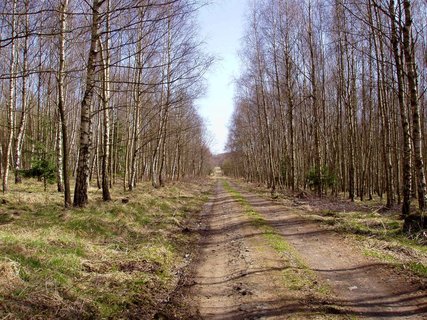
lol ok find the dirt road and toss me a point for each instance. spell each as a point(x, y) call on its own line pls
point(239, 274)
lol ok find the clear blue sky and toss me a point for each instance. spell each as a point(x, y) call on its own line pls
point(221, 26)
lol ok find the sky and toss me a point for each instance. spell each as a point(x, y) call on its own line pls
point(221, 27)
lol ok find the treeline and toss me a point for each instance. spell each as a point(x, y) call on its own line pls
point(333, 97)
point(103, 90)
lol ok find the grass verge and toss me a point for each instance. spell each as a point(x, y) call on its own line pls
point(108, 260)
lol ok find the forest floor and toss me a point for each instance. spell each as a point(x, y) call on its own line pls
point(284, 259)
point(116, 260)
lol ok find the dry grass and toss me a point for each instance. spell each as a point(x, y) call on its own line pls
point(108, 260)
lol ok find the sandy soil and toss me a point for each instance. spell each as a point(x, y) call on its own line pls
point(237, 275)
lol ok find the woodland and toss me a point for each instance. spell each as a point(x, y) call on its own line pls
point(333, 98)
point(100, 90)
point(114, 207)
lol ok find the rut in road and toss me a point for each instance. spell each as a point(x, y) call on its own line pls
point(238, 275)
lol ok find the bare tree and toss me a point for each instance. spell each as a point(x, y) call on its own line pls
point(22, 123)
point(335, 120)
point(82, 176)
point(105, 62)
point(411, 69)
point(11, 101)
point(61, 104)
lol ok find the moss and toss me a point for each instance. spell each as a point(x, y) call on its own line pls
point(379, 255)
point(418, 268)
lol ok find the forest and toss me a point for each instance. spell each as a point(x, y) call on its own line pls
point(101, 90)
point(114, 205)
point(333, 98)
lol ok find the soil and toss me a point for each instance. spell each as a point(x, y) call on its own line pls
point(238, 275)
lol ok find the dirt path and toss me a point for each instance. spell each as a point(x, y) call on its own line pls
point(238, 275)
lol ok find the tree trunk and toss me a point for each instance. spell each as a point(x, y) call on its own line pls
point(10, 104)
point(406, 165)
point(411, 69)
point(22, 124)
point(61, 105)
point(313, 79)
point(59, 158)
point(105, 60)
point(81, 189)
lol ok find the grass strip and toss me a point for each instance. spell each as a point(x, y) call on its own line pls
point(297, 276)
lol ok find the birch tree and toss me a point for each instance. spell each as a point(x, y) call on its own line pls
point(11, 100)
point(82, 176)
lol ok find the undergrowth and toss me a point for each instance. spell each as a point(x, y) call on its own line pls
point(108, 260)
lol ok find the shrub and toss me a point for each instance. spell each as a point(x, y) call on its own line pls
point(327, 179)
point(41, 169)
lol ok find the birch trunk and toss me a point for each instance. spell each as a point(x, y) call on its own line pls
point(59, 158)
point(61, 105)
point(10, 104)
point(406, 164)
point(105, 61)
point(22, 124)
point(313, 79)
point(82, 175)
point(411, 69)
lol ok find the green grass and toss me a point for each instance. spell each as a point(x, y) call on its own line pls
point(296, 275)
point(379, 255)
point(98, 262)
point(365, 223)
point(418, 268)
